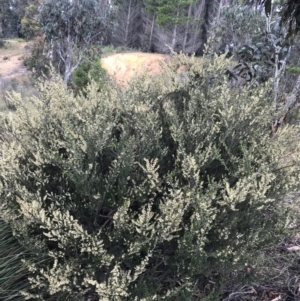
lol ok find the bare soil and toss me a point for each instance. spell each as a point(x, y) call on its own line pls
point(11, 59)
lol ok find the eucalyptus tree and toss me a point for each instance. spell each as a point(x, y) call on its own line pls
point(28, 13)
point(289, 10)
point(17, 17)
point(74, 27)
point(8, 18)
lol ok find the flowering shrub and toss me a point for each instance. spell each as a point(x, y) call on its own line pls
point(156, 193)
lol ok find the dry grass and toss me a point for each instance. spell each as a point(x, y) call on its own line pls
point(122, 67)
point(20, 84)
point(13, 74)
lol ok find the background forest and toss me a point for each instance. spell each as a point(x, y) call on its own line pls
point(180, 185)
point(142, 24)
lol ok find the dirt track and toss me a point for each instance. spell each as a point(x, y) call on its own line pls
point(11, 63)
point(121, 67)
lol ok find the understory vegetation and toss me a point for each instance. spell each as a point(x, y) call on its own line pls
point(181, 186)
point(172, 190)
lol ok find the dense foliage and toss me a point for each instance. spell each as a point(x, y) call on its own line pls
point(72, 28)
point(30, 26)
point(259, 46)
point(38, 62)
point(162, 192)
point(88, 71)
point(289, 11)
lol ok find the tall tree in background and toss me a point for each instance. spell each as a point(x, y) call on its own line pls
point(187, 26)
point(170, 22)
point(151, 25)
point(74, 27)
point(3, 9)
point(192, 39)
point(28, 17)
point(8, 18)
point(172, 14)
point(183, 24)
point(290, 12)
point(211, 10)
point(18, 18)
point(149, 16)
point(129, 23)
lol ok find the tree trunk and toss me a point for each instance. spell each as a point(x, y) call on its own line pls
point(186, 30)
point(151, 32)
point(211, 9)
point(1, 29)
point(128, 24)
point(67, 73)
point(174, 38)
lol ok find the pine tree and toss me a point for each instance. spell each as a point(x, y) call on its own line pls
point(170, 13)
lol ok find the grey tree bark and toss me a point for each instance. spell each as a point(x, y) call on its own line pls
point(174, 37)
point(129, 24)
point(138, 28)
point(186, 31)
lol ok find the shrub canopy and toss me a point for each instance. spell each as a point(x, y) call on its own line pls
point(154, 193)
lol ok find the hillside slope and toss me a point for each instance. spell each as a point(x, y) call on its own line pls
point(122, 67)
